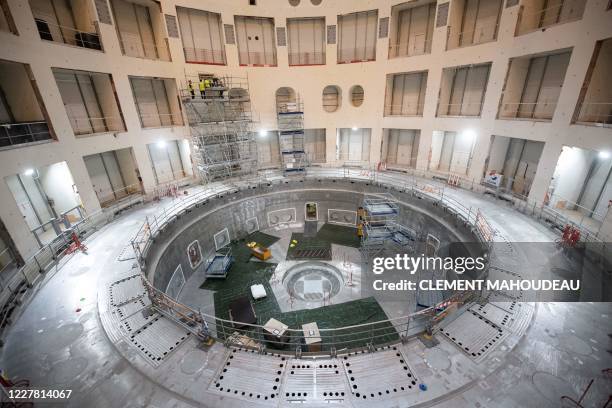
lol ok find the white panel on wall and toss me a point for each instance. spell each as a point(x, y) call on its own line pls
point(407, 94)
point(354, 145)
point(357, 36)
point(306, 40)
point(256, 41)
point(402, 147)
point(315, 145)
point(201, 35)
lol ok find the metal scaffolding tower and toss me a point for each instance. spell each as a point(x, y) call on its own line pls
point(221, 121)
point(379, 226)
point(290, 116)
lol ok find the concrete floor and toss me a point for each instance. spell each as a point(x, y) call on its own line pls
point(59, 341)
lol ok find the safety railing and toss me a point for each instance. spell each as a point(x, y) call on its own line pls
point(204, 56)
point(12, 134)
point(332, 340)
point(351, 55)
point(417, 44)
point(530, 20)
point(595, 113)
point(133, 46)
point(306, 58)
point(155, 120)
point(541, 110)
point(257, 59)
point(85, 125)
point(482, 33)
point(107, 198)
point(405, 109)
point(459, 109)
point(69, 35)
point(43, 260)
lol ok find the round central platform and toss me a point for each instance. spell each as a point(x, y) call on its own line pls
point(313, 281)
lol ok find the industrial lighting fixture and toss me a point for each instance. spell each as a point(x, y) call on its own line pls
point(263, 133)
point(604, 155)
point(29, 172)
point(161, 144)
point(353, 128)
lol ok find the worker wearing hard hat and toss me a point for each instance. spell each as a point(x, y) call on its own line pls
point(202, 87)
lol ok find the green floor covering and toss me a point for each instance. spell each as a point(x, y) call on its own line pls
point(328, 234)
point(245, 272)
point(242, 253)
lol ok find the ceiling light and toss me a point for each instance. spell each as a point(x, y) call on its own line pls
point(161, 144)
point(29, 172)
point(604, 155)
point(354, 128)
point(263, 133)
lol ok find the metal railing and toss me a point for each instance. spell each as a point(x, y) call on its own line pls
point(133, 46)
point(44, 260)
point(562, 12)
point(541, 110)
point(404, 110)
point(331, 340)
point(154, 120)
point(12, 134)
point(107, 198)
point(596, 113)
point(69, 35)
point(258, 59)
point(460, 109)
point(417, 44)
point(86, 125)
point(204, 56)
point(306, 58)
point(479, 35)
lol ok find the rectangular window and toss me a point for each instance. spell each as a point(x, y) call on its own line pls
point(595, 103)
point(357, 36)
point(166, 161)
point(306, 41)
point(23, 118)
point(139, 27)
point(462, 90)
point(412, 30)
point(314, 145)
point(90, 101)
point(353, 145)
point(155, 106)
point(68, 22)
point(202, 36)
point(473, 22)
point(405, 94)
point(537, 14)
point(256, 41)
point(533, 85)
point(402, 147)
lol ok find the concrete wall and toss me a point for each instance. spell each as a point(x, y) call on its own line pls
point(232, 211)
point(309, 81)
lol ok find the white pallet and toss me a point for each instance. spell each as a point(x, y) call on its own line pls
point(158, 338)
point(379, 375)
point(475, 335)
point(250, 376)
point(309, 380)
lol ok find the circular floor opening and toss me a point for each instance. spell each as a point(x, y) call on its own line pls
point(313, 281)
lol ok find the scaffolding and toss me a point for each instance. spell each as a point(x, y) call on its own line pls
point(290, 116)
point(380, 229)
point(221, 122)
